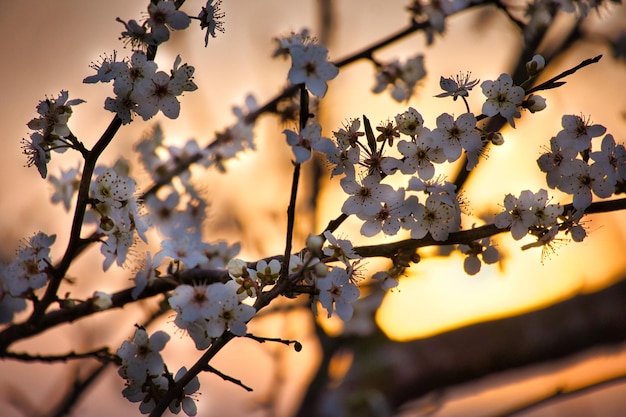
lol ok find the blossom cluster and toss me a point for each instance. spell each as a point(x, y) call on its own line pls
point(116, 213)
point(27, 272)
point(146, 376)
point(391, 180)
point(572, 166)
point(51, 131)
point(400, 78)
point(140, 89)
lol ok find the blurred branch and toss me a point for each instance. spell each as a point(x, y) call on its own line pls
point(403, 371)
point(562, 393)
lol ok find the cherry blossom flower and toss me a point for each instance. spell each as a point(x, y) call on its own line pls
point(308, 139)
point(388, 218)
point(112, 189)
point(186, 249)
point(365, 197)
point(460, 86)
point(219, 254)
point(612, 160)
point(145, 276)
point(209, 19)
point(340, 249)
point(435, 217)
point(389, 278)
point(140, 357)
point(455, 135)
point(135, 34)
point(164, 16)
point(37, 152)
point(267, 272)
point(400, 78)
point(517, 214)
point(29, 269)
point(337, 293)
point(488, 253)
point(285, 43)
point(54, 115)
point(118, 241)
point(9, 305)
point(310, 65)
point(503, 97)
point(65, 186)
point(545, 215)
point(410, 123)
point(226, 312)
point(157, 93)
point(191, 302)
point(106, 69)
point(581, 179)
point(127, 75)
point(577, 133)
point(349, 135)
point(344, 159)
point(420, 155)
point(551, 162)
point(186, 400)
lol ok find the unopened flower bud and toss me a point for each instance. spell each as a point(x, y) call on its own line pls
point(106, 224)
point(535, 65)
point(320, 269)
point(496, 138)
point(535, 103)
point(237, 267)
point(101, 300)
point(314, 244)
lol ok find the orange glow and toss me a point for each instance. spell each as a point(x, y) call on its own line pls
point(47, 46)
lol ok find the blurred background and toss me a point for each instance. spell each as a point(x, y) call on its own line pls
point(456, 345)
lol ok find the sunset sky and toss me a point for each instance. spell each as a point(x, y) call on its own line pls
point(48, 46)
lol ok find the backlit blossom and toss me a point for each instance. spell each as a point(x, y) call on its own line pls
point(551, 162)
point(186, 249)
point(388, 218)
point(420, 155)
point(164, 16)
point(158, 93)
point(54, 115)
point(612, 159)
point(308, 139)
point(310, 65)
point(460, 86)
point(337, 293)
point(191, 302)
point(503, 97)
point(410, 122)
point(400, 78)
point(454, 136)
point(517, 214)
point(577, 133)
point(435, 217)
point(210, 19)
point(29, 269)
point(65, 186)
point(365, 197)
point(482, 248)
point(581, 179)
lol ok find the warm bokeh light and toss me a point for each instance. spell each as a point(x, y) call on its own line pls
point(47, 46)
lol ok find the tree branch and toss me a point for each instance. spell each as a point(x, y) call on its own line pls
point(404, 371)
